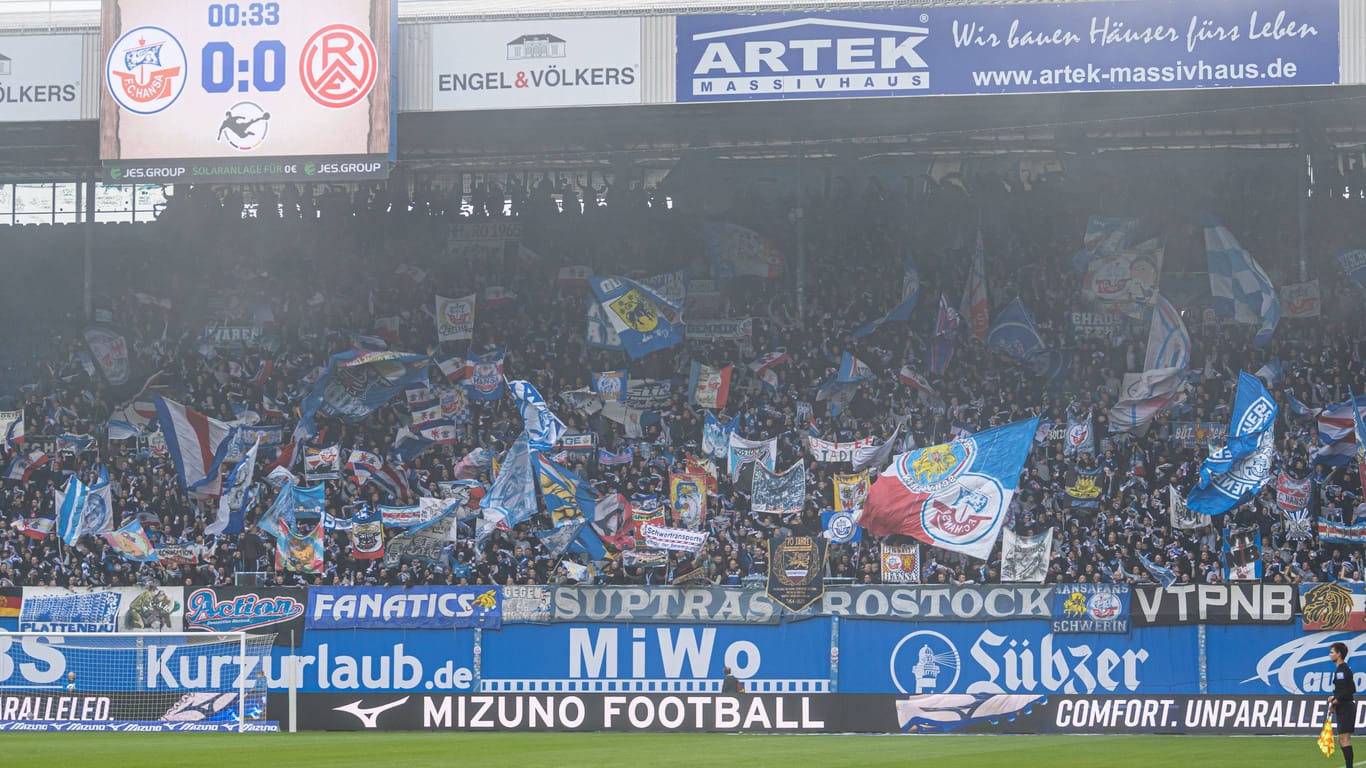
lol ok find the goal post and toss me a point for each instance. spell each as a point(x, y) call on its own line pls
point(130, 681)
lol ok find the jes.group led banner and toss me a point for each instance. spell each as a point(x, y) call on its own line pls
point(199, 91)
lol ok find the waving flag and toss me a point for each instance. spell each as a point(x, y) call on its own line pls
point(611, 385)
point(543, 428)
point(37, 528)
point(300, 552)
point(945, 342)
point(779, 493)
point(512, 497)
point(1164, 575)
point(1242, 465)
point(853, 369)
point(900, 313)
point(763, 365)
point(1360, 429)
point(975, 306)
point(1169, 344)
point(741, 452)
point(709, 387)
point(1337, 433)
point(1080, 437)
point(25, 465)
point(644, 320)
point(1143, 397)
point(485, 379)
point(735, 251)
point(1242, 291)
point(131, 542)
point(356, 383)
point(197, 445)
point(566, 496)
point(83, 509)
point(1014, 333)
point(367, 534)
point(955, 495)
point(12, 428)
point(455, 318)
point(1025, 559)
point(716, 435)
point(233, 504)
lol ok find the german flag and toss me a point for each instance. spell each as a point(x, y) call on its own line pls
point(9, 603)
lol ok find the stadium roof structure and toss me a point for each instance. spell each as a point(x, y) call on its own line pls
point(44, 15)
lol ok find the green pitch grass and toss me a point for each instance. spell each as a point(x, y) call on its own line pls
point(566, 750)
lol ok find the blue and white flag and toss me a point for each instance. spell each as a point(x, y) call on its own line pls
point(1354, 266)
point(1014, 333)
point(485, 375)
point(291, 503)
point(356, 383)
point(841, 526)
point(900, 313)
point(1164, 575)
point(853, 369)
point(197, 445)
point(644, 320)
point(955, 495)
point(1080, 437)
point(716, 435)
point(1169, 344)
point(83, 509)
point(611, 385)
point(599, 332)
point(543, 428)
point(1337, 435)
point(608, 459)
point(1242, 292)
point(237, 496)
point(566, 496)
point(512, 497)
point(1242, 465)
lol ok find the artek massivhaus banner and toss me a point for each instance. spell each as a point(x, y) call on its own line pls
point(1011, 48)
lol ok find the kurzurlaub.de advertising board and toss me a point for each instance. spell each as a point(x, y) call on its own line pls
point(1007, 49)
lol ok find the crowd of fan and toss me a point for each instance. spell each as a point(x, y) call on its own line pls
point(324, 267)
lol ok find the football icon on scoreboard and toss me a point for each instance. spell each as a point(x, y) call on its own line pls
point(244, 126)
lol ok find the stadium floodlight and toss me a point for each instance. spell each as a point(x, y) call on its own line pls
point(134, 681)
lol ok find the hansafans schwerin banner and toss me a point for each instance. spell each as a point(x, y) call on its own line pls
point(955, 495)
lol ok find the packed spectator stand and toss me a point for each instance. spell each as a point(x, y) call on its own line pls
point(316, 268)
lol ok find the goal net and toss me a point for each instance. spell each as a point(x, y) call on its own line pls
point(195, 681)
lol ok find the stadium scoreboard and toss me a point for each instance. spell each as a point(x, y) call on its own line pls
point(201, 91)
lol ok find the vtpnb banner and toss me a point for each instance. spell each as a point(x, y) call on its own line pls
point(198, 91)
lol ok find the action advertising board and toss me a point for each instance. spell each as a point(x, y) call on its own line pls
point(209, 91)
point(1007, 48)
point(535, 63)
point(40, 78)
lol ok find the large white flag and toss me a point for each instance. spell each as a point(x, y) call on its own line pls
point(455, 318)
